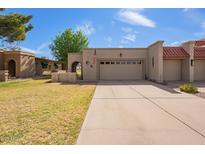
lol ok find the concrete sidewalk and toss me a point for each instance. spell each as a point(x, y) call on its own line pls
point(141, 112)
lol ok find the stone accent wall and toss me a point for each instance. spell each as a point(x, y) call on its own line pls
point(63, 77)
point(4, 75)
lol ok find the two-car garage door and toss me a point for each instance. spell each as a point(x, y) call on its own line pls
point(121, 70)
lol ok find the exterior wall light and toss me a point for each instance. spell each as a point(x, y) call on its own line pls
point(192, 62)
point(87, 62)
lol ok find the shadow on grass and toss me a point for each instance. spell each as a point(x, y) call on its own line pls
point(43, 77)
point(78, 83)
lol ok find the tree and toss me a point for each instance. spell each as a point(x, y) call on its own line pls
point(13, 27)
point(68, 42)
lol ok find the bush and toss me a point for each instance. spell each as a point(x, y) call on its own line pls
point(189, 88)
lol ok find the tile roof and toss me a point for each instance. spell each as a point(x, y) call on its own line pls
point(174, 53)
point(199, 43)
point(199, 52)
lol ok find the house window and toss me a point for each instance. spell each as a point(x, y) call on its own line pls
point(122, 62)
point(102, 62)
point(44, 64)
point(133, 62)
point(87, 62)
point(152, 61)
point(107, 62)
point(117, 62)
point(55, 65)
point(112, 62)
point(129, 62)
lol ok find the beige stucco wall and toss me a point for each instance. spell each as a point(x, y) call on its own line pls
point(89, 66)
point(155, 51)
point(92, 57)
point(25, 63)
point(46, 71)
point(74, 57)
point(12, 56)
point(3, 75)
point(27, 66)
point(188, 69)
point(63, 77)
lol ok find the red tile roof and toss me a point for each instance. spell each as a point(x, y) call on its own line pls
point(199, 43)
point(199, 52)
point(174, 53)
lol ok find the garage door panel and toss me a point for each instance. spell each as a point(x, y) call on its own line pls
point(199, 70)
point(121, 70)
point(172, 70)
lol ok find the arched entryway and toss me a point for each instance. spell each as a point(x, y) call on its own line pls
point(76, 67)
point(12, 68)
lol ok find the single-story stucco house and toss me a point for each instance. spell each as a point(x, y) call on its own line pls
point(156, 62)
point(46, 66)
point(20, 64)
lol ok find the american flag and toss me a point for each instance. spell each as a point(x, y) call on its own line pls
point(94, 59)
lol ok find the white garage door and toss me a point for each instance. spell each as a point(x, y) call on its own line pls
point(199, 70)
point(121, 70)
point(172, 70)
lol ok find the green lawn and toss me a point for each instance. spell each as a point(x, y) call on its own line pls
point(40, 112)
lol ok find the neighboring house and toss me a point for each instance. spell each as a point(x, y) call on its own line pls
point(46, 66)
point(156, 62)
point(21, 64)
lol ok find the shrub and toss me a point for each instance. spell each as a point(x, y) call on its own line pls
point(188, 88)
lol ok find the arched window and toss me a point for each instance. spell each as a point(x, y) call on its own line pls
point(76, 67)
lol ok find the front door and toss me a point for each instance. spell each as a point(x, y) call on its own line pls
point(12, 68)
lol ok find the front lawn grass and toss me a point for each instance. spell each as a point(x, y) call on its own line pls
point(40, 112)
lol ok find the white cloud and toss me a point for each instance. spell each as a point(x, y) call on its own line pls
point(42, 46)
point(175, 43)
point(128, 38)
point(129, 30)
point(202, 33)
point(134, 17)
point(108, 39)
point(199, 34)
point(87, 28)
point(186, 9)
point(29, 50)
point(113, 23)
point(203, 25)
point(38, 50)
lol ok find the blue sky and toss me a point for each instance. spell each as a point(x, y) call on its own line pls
point(114, 27)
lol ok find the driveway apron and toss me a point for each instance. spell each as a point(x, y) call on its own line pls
point(142, 112)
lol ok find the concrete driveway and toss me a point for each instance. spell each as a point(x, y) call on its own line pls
point(142, 112)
